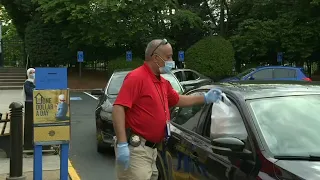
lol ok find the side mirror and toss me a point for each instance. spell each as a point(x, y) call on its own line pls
point(251, 78)
point(231, 147)
point(97, 92)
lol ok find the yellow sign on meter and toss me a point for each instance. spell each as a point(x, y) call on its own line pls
point(51, 115)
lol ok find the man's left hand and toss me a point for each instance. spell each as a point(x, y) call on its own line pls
point(212, 96)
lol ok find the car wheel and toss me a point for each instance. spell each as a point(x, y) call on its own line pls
point(101, 149)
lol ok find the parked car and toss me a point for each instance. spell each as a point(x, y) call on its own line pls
point(271, 73)
point(107, 96)
point(281, 137)
point(190, 78)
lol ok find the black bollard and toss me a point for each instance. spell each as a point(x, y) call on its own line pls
point(16, 142)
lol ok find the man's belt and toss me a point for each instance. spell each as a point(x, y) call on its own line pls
point(151, 144)
point(135, 140)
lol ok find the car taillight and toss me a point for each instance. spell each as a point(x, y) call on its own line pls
point(307, 79)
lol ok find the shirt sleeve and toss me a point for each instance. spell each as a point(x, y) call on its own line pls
point(129, 92)
point(173, 96)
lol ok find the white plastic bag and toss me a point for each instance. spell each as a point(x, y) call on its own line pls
point(226, 120)
point(106, 110)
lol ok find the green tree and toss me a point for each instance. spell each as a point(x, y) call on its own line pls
point(20, 13)
point(12, 43)
point(44, 44)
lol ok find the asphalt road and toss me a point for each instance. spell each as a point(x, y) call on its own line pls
point(88, 163)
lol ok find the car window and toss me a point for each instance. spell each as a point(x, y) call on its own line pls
point(289, 125)
point(188, 117)
point(244, 73)
point(284, 73)
point(116, 82)
point(190, 75)
point(179, 75)
point(225, 120)
point(263, 74)
point(174, 82)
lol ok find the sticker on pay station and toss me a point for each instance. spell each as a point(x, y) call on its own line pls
point(51, 111)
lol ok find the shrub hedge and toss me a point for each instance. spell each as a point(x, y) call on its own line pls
point(212, 56)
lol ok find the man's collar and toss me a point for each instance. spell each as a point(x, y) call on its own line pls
point(152, 75)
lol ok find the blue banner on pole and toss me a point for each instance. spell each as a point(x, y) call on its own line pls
point(129, 56)
point(80, 57)
point(181, 56)
point(51, 78)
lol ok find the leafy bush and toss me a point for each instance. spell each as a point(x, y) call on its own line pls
point(121, 63)
point(212, 56)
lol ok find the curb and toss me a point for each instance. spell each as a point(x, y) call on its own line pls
point(73, 175)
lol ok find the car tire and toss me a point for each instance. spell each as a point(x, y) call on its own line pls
point(101, 149)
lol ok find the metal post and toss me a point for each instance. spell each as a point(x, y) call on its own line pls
point(16, 144)
point(37, 162)
point(80, 64)
point(64, 161)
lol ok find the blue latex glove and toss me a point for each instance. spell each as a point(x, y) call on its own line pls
point(212, 96)
point(123, 155)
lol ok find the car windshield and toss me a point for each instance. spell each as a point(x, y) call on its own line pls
point(241, 75)
point(289, 125)
point(116, 83)
point(117, 80)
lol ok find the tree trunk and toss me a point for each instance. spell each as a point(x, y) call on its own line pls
point(222, 29)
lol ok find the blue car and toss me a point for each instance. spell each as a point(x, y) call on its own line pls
point(271, 73)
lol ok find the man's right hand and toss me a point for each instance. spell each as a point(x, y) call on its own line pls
point(123, 155)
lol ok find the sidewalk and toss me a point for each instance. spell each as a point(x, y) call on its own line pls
point(6, 98)
point(51, 167)
point(50, 162)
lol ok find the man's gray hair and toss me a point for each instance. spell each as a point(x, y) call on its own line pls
point(150, 48)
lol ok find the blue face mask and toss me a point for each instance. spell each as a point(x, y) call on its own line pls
point(32, 76)
point(168, 65)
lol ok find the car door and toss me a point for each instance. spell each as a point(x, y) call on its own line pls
point(264, 74)
point(177, 155)
point(284, 74)
point(214, 166)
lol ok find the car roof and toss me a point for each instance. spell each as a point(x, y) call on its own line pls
point(182, 69)
point(247, 90)
point(120, 71)
point(283, 67)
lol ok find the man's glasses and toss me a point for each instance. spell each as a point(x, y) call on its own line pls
point(163, 42)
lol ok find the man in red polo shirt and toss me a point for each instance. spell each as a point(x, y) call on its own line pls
point(141, 112)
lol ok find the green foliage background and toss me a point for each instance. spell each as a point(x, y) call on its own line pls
point(212, 56)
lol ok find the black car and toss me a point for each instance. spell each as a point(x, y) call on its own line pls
point(107, 96)
point(190, 78)
point(281, 140)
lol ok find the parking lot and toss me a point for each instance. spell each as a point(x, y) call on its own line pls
point(88, 163)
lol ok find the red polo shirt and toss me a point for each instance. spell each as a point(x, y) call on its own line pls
point(148, 100)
